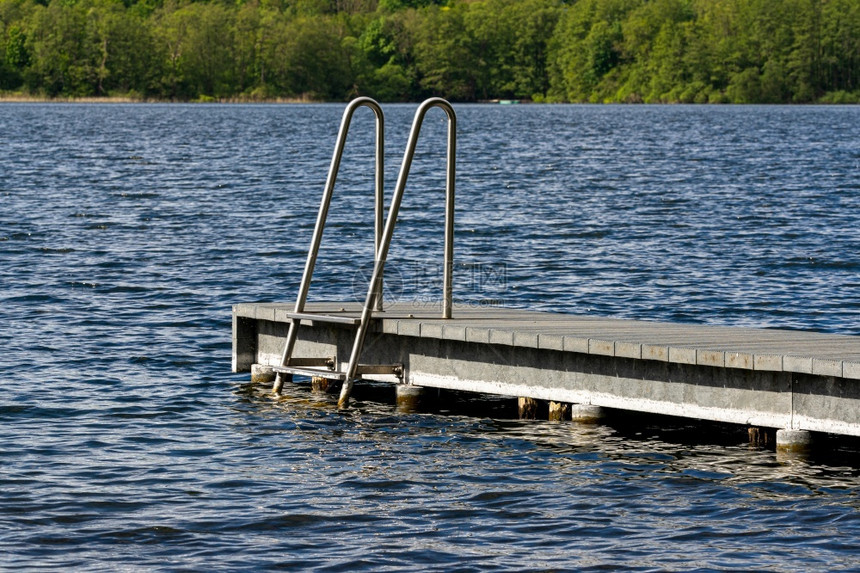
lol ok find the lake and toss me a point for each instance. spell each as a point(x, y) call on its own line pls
point(128, 231)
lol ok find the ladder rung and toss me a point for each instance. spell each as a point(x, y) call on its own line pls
point(309, 371)
point(389, 369)
point(352, 321)
point(362, 370)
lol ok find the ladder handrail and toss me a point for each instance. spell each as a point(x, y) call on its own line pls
point(373, 294)
point(328, 191)
point(316, 239)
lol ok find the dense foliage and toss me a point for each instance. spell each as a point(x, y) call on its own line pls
point(545, 50)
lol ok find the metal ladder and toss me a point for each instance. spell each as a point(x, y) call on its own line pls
point(326, 367)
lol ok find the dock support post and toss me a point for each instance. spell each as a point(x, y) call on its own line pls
point(527, 407)
point(559, 411)
point(323, 385)
point(586, 413)
point(793, 441)
point(761, 437)
point(261, 373)
point(409, 398)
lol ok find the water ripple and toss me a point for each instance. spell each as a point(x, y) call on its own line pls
point(128, 231)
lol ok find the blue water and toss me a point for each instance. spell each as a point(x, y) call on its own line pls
point(128, 231)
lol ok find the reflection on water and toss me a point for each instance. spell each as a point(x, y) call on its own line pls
point(652, 443)
point(621, 489)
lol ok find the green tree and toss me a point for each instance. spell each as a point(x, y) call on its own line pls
point(803, 66)
point(586, 47)
point(246, 46)
point(489, 38)
point(208, 58)
point(317, 66)
point(535, 21)
point(61, 63)
point(171, 29)
point(123, 51)
point(15, 60)
point(271, 39)
point(555, 50)
point(443, 55)
point(385, 69)
point(840, 46)
point(656, 50)
point(197, 43)
point(305, 56)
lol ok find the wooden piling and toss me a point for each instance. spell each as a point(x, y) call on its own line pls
point(528, 408)
point(559, 411)
point(762, 437)
point(324, 385)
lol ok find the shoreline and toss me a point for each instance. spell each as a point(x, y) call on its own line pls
point(21, 98)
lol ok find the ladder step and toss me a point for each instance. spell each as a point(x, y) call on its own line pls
point(387, 369)
point(324, 372)
point(352, 321)
point(310, 371)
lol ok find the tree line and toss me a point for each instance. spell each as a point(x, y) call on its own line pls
point(728, 51)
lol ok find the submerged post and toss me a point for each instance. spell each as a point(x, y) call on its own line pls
point(527, 408)
point(790, 441)
point(586, 413)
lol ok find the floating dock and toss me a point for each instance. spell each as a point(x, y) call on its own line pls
point(782, 379)
point(795, 382)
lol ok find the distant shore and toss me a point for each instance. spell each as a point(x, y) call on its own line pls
point(23, 98)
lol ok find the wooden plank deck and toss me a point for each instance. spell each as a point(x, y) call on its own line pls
point(731, 347)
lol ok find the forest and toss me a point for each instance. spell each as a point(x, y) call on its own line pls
point(630, 51)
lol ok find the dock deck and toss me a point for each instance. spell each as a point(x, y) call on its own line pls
point(760, 377)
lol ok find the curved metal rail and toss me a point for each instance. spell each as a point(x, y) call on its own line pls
point(316, 239)
point(374, 292)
